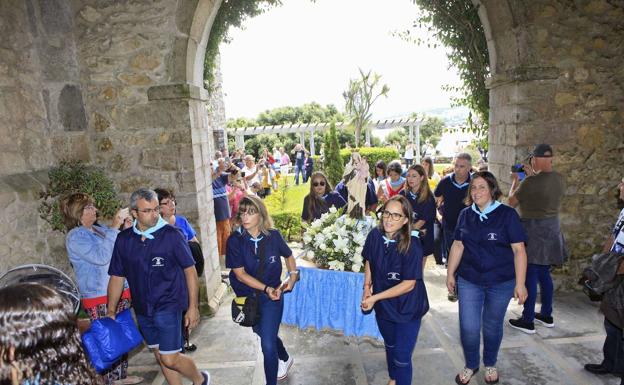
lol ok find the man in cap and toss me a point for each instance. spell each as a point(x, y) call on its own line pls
point(538, 198)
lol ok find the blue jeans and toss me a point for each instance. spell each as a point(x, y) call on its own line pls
point(482, 304)
point(400, 340)
point(538, 274)
point(267, 329)
point(613, 349)
point(298, 170)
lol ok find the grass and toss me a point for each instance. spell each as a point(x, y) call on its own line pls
point(287, 199)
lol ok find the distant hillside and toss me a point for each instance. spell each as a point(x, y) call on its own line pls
point(452, 116)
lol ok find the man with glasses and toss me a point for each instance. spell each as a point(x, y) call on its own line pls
point(155, 259)
point(538, 198)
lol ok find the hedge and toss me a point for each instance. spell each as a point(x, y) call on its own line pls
point(373, 155)
point(289, 225)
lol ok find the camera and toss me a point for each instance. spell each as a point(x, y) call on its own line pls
point(517, 168)
point(243, 174)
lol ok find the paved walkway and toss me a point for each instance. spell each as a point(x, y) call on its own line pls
point(550, 357)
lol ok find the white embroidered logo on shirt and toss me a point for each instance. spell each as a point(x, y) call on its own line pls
point(272, 259)
point(392, 276)
point(492, 237)
point(158, 262)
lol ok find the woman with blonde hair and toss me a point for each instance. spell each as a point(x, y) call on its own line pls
point(90, 249)
point(253, 254)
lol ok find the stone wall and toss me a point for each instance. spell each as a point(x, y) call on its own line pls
point(559, 79)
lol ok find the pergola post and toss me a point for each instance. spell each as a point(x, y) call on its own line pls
point(417, 143)
point(240, 141)
point(302, 138)
point(312, 142)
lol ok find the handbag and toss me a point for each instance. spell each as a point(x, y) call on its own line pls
point(246, 310)
point(600, 276)
point(108, 339)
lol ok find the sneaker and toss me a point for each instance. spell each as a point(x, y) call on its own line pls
point(206, 377)
point(522, 325)
point(544, 321)
point(283, 367)
point(452, 297)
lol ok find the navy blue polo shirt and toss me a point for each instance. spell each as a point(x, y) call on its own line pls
point(488, 257)
point(453, 199)
point(240, 252)
point(388, 269)
point(371, 195)
point(154, 269)
point(331, 199)
point(423, 211)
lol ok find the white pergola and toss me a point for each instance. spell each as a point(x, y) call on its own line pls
point(310, 128)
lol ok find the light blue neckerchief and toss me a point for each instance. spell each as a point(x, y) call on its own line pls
point(415, 233)
point(148, 233)
point(466, 183)
point(255, 241)
point(388, 241)
point(489, 209)
point(413, 196)
point(397, 183)
point(324, 197)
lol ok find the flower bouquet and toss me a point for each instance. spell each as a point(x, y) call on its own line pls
point(335, 242)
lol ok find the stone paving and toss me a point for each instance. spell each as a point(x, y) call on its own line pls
point(550, 357)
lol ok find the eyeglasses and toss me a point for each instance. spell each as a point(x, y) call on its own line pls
point(249, 213)
point(316, 184)
point(394, 216)
point(90, 207)
point(155, 210)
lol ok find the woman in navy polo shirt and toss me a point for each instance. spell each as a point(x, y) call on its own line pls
point(489, 258)
point(421, 198)
point(394, 271)
point(320, 198)
point(256, 235)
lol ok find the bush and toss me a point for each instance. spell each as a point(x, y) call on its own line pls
point(373, 155)
point(73, 176)
point(334, 165)
point(289, 224)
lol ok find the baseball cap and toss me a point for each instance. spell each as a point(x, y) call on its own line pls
point(542, 150)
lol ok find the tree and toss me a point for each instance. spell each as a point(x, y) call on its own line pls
point(332, 162)
point(359, 98)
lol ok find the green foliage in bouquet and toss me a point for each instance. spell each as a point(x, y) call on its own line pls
point(74, 176)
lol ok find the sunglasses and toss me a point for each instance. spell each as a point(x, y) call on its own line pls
point(316, 184)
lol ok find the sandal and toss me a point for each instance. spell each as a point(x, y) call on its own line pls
point(490, 372)
point(465, 376)
point(130, 380)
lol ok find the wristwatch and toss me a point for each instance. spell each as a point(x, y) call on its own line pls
point(294, 272)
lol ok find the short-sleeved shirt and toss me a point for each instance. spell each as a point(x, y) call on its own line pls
point(183, 224)
point(540, 195)
point(454, 195)
point(423, 211)
point(371, 195)
point(220, 199)
point(327, 201)
point(241, 252)
point(389, 267)
point(618, 234)
point(488, 257)
point(154, 269)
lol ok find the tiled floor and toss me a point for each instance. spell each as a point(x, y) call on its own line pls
point(551, 356)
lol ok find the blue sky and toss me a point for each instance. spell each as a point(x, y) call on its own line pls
point(307, 51)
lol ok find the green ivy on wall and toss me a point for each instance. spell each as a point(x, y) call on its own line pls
point(231, 13)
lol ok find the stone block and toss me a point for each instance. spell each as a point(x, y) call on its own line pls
point(132, 183)
point(145, 61)
point(159, 159)
point(74, 147)
point(71, 109)
point(99, 122)
point(135, 79)
point(108, 94)
point(56, 16)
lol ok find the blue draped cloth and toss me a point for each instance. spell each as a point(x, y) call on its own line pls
point(329, 299)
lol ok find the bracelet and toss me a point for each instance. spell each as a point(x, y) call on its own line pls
point(265, 289)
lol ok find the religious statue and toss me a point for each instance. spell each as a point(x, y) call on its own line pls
point(356, 175)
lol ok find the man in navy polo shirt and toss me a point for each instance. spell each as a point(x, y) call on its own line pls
point(155, 259)
point(450, 194)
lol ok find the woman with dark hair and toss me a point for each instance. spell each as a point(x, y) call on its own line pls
point(320, 199)
point(380, 174)
point(394, 286)
point(393, 184)
point(490, 261)
point(432, 175)
point(255, 242)
point(423, 205)
point(90, 249)
point(40, 342)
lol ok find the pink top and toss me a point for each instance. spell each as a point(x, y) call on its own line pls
point(235, 199)
point(285, 160)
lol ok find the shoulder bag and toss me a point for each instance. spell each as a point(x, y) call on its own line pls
point(246, 310)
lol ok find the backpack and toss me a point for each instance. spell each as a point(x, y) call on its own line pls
point(600, 277)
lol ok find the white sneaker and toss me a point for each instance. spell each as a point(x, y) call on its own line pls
point(283, 367)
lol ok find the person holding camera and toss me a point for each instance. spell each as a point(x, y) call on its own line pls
point(539, 197)
point(611, 307)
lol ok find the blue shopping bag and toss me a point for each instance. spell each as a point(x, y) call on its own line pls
point(107, 339)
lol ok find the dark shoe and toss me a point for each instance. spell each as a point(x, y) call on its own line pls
point(452, 297)
point(189, 347)
point(596, 369)
point(544, 321)
point(522, 325)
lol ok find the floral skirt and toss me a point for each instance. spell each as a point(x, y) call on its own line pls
point(119, 370)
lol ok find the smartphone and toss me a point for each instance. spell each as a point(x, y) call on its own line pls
point(125, 212)
point(519, 169)
point(243, 174)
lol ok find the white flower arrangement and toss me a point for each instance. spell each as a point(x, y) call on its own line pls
point(336, 242)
